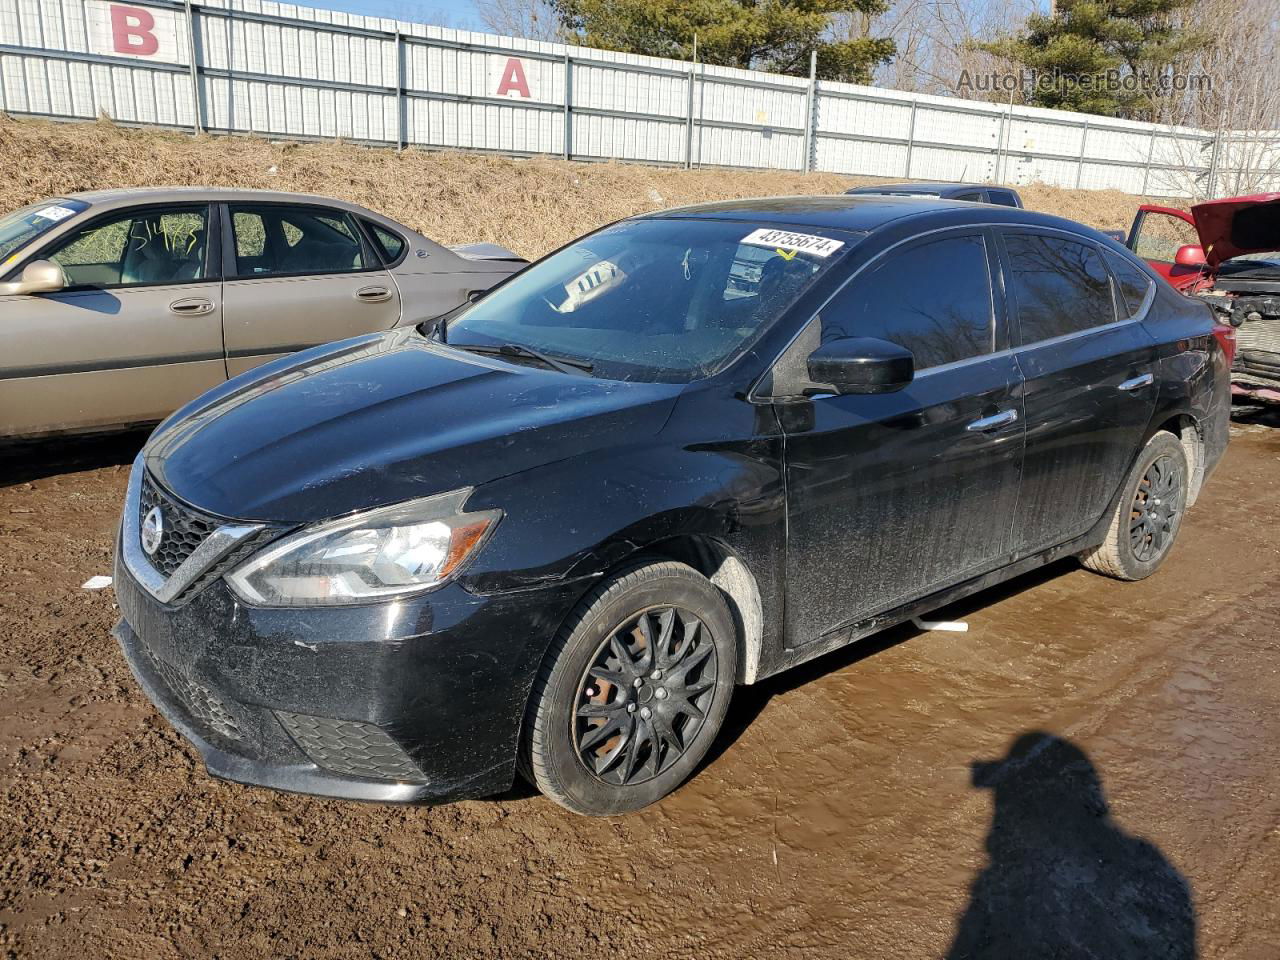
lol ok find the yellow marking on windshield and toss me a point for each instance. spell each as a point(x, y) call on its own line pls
point(786, 255)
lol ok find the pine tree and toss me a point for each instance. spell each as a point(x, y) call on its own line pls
point(773, 35)
point(1103, 56)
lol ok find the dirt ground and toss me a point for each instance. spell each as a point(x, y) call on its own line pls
point(839, 817)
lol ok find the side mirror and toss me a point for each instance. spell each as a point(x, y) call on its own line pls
point(39, 276)
point(1191, 255)
point(862, 365)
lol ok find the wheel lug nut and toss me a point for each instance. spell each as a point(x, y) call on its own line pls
point(656, 675)
point(639, 682)
point(661, 693)
point(631, 708)
point(646, 713)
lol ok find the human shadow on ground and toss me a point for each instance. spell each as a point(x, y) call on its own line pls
point(1064, 880)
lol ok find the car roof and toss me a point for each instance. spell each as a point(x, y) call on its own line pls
point(865, 213)
point(940, 188)
point(131, 195)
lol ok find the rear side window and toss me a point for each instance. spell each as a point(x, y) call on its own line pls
point(1060, 286)
point(970, 197)
point(1131, 283)
point(294, 241)
point(934, 299)
point(1005, 198)
point(390, 245)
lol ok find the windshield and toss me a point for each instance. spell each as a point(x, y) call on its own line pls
point(22, 226)
point(656, 300)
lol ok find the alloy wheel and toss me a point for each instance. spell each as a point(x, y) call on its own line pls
point(1155, 508)
point(644, 696)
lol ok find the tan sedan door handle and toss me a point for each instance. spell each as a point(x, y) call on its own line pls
point(373, 294)
point(191, 307)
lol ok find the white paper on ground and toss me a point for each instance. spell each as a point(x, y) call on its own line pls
point(953, 626)
point(96, 583)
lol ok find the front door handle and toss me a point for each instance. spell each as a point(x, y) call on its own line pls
point(1137, 383)
point(373, 294)
point(191, 307)
point(993, 422)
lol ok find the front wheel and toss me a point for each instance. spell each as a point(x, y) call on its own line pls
point(1148, 513)
point(632, 692)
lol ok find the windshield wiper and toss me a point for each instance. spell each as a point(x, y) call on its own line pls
point(563, 364)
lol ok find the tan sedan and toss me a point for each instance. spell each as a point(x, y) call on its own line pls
point(118, 307)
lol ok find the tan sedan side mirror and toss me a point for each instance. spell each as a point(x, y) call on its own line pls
point(39, 276)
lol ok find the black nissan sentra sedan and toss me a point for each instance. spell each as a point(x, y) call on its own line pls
point(552, 532)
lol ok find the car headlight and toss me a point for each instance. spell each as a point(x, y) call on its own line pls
point(405, 548)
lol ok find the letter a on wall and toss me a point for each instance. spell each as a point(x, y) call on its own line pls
point(137, 32)
point(512, 79)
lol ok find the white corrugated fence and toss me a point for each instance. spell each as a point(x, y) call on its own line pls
point(244, 66)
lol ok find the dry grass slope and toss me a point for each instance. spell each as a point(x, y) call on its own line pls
point(531, 206)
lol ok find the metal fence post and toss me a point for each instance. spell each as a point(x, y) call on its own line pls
point(1146, 170)
point(1000, 147)
point(911, 137)
point(1215, 158)
point(568, 105)
point(197, 110)
point(688, 133)
point(811, 115)
point(402, 101)
point(1084, 139)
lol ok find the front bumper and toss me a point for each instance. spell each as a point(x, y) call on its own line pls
point(418, 700)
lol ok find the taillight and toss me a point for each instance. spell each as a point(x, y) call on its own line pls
point(1226, 335)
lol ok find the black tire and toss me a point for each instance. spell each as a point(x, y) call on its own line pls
point(655, 741)
point(1148, 513)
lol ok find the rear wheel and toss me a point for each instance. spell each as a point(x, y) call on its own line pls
point(1148, 513)
point(632, 692)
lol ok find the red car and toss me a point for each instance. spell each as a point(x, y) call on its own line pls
point(1227, 253)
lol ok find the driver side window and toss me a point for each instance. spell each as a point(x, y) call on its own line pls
point(137, 248)
point(933, 298)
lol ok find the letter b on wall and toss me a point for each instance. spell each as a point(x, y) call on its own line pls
point(133, 31)
point(137, 32)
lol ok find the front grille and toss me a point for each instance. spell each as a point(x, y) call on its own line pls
point(184, 528)
point(199, 701)
point(350, 748)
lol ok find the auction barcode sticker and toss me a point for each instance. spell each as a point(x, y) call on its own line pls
point(799, 242)
point(54, 213)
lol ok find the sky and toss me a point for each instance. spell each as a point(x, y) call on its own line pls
point(460, 14)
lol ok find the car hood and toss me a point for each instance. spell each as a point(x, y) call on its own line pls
point(383, 419)
point(1238, 225)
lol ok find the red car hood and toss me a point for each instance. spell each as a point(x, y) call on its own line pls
point(1238, 225)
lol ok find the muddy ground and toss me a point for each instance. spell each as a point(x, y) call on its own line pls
point(839, 817)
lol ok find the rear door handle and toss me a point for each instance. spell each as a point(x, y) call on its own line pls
point(191, 307)
point(373, 294)
point(1137, 383)
point(993, 422)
